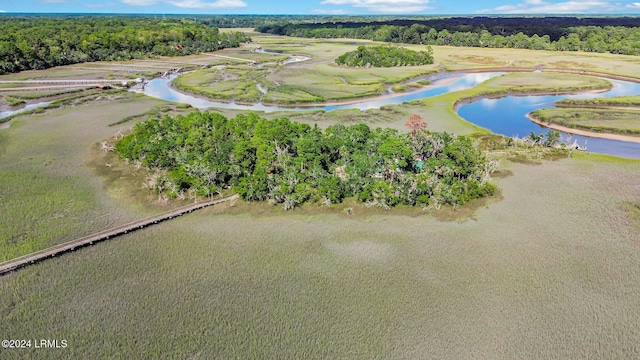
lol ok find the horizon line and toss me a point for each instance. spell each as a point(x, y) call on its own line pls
point(4, 12)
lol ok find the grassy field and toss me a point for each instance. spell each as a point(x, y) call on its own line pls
point(229, 83)
point(618, 101)
point(36, 95)
point(439, 111)
point(320, 80)
point(547, 269)
point(541, 83)
point(596, 120)
point(523, 277)
point(48, 195)
point(317, 80)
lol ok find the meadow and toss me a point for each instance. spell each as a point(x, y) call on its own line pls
point(321, 80)
point(595, 120)
point(525, 276)
point(546, 269)
point(617, 101)
point(48, 194)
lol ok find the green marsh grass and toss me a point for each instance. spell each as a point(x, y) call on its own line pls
point(618, 101)
point(13, 101)
point(35, 95)
point(443, 107)
point(523, 277)
point(47, 194)
point(548, 270)
point(596, 120)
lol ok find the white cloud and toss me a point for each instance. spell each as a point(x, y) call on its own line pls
point(190, 4)
point(634, 6)
point(566, 7)
point(1, 11)
point(328, 12)
point(199, 4)
point(384, 6)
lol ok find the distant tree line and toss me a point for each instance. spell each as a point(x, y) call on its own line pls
point(292, 163)
point(614, 35)
point(39, 42)
point(385, 56)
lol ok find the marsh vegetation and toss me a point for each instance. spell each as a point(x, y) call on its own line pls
point(547, 268)
point(595, 120)
point(618, 101)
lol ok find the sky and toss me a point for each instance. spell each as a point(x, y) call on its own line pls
point(328, 7)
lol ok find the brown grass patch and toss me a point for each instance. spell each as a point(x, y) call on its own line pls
point(501, 174)
point(475, 59)
point(633, 210)
point(523, 159)
point(564, 64)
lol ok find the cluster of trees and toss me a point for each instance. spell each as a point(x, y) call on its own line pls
point(522, 33)
point(385, 56)
point(28, 43)
point(291, 163)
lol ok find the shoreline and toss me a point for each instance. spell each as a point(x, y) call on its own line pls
point(501, 94)
point(367, 98)
point(311, 105)
point(608, 136)
point(599, 107)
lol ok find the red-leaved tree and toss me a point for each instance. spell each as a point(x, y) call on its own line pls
point(415, 124)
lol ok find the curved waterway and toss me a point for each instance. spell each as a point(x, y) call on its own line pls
point(442, 84)
point(507, 116)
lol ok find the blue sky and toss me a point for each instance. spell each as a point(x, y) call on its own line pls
point(346, 7)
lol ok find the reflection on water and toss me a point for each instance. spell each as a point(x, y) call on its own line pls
point(161, 88)
point(504, 116)
point(5, 113)
point(507, 116)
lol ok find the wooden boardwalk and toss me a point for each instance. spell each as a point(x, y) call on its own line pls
point(20, 262)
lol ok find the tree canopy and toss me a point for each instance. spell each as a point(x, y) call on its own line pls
point(37, 42)
point(618, 35)
point(291, 163)
point(385, 56)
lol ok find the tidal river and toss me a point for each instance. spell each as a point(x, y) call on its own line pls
point(505, 116)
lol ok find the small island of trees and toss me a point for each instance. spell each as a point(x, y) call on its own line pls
point(289, 163)
point(385, 56)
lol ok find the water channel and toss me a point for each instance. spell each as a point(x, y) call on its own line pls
point(161, 88)
point(5, 113)
point(505, 116)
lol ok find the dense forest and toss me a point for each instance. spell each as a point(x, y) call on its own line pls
point(614, 35)
point(385, 56)
point(291, 163)
point(38, 42)
point(554, 26)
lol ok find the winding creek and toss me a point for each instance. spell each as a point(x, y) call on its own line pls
point(161, 88)
point(505, 116)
